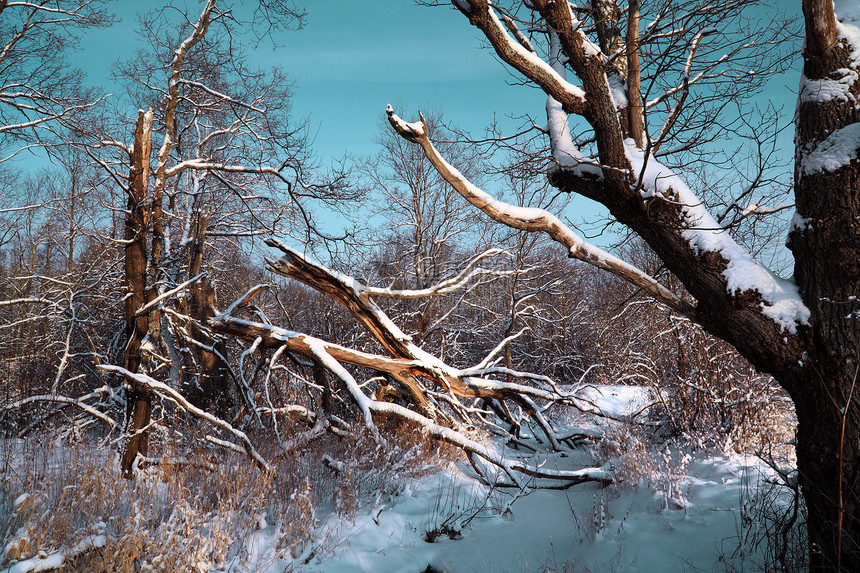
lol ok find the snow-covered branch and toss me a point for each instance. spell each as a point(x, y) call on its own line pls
point(535, 219)
point(444, 286)
point(64, 400)
point(511, 51)
point(174, 396)
point(410, 367)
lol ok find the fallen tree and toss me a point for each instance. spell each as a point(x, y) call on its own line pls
point(443, 401)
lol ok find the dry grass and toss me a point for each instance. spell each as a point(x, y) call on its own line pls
point(184, 517)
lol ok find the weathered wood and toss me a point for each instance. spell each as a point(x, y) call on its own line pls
point(205, 378)
point(139, 407)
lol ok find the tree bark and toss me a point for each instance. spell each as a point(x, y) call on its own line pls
point(827, 454)
point(826, 249)
point(205, 381)
point(820, 26)
point(136, 327)
point(635, 121)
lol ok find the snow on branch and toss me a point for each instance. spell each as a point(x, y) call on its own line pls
point(174, 396)
point(780, 298)
point(412, 362)
point(331, 356)
point(412, 368)
point(514, 53)
point(161, 298)
point(564, 151)
point(196, 36)
point(65, 401)
point(511, 467)
point(846, 16)
point(534, 219)
point(445, 286)
point(835, 152)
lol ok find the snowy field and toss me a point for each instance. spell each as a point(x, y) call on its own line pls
point(671, 511)
point(688, 514)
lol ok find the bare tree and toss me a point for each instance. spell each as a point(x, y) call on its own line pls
point(42, 98)
point(216, 160)
point(694, 68)
point(40, 94)
point(57, 279)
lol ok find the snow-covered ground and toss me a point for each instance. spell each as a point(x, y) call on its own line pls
point(587, 528)
point(671, 511)
point(688, 514)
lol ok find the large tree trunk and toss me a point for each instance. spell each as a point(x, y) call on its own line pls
point(136, 327)
point(830, 476)
point(826, 246)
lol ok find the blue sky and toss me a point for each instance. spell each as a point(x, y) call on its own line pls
point(355, 56)
point(352, 58)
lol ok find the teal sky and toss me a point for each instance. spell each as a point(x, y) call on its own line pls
point(352, 58)
point(355, 56)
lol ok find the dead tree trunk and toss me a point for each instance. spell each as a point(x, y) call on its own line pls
point(205, 381)
point(137, 324)
point(423, 379)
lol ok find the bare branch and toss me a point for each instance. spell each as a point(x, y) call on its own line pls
point(534, 219)
point(169, 393)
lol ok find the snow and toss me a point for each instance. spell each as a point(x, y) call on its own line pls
point(617, 401)
point(848, 25)
point(617, 90)
point(535, 61)
point(564, 151)
point(20, 500)
point(799, 223)
point(755, 209)
point(841, 146)
point(780, 297)
point(687, 521)
point(839, 149)
point(589, 48)
point(56, 559)
point(689, 515)
point(829, 89)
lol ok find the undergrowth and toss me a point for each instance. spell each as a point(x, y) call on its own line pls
point(68, 503)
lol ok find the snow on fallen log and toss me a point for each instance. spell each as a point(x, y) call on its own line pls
point(433, 387)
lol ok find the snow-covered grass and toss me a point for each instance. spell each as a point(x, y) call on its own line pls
point(64, 503)
point(351, 504)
